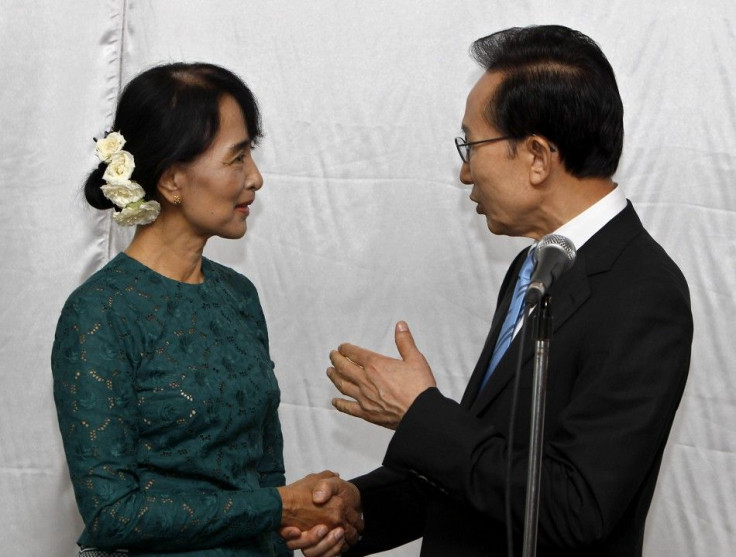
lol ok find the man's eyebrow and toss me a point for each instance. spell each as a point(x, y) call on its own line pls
point(464, 128)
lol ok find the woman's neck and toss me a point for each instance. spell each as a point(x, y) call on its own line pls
point(173, 255)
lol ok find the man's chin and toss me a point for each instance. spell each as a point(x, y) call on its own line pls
point(494, 226)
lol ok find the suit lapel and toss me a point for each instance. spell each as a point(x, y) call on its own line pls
point(502, 307)
point(567, 295)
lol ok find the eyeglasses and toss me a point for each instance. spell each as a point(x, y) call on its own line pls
point(463, 147)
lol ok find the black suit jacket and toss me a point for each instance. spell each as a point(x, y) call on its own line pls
point(618, 362)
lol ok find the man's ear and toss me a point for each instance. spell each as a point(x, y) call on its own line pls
point(543, 154)
point(169, 185)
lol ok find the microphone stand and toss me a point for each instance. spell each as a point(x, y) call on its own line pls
point(543, 335)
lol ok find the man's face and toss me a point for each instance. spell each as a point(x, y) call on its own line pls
point(500, 178)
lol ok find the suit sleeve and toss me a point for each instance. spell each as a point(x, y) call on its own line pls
point(627, 357)
point(393, 508)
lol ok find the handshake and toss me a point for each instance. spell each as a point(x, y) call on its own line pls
point(321, 514)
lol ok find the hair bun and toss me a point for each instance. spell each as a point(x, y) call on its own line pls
point(92, 191)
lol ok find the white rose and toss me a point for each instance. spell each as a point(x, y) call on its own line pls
point(123, 194)
point(140, 212)
point(108, 146)
point(119, 168)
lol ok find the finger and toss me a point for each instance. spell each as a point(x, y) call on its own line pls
point(349, 407)
point(355, 519)
point(332, 544)
point(290, 533)
point(352, 531)
point(354, 526)
point(356, 354)
point(345, 365)
point(351, 535)
point(346, 384)
point(310, 538)
point(327, 474)
point(404, 340)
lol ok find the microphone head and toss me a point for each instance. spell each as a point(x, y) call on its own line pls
point(557, 242)
point(553, 255)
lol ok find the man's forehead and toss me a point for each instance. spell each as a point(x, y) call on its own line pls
point(478, 99)
point(485, 86)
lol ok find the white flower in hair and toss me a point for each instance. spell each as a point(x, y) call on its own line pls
point(109, 145)
point(123, 194)
point(119, 188)
point(139, 212)
point(119, 169)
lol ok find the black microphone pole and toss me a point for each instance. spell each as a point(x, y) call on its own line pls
point(543, 335)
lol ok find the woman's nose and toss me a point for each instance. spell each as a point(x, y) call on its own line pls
point(253, 179)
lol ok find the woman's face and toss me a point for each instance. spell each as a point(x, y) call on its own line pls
point(218, 186)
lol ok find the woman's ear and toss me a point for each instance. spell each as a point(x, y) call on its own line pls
point(169, 185)
point(543, 152)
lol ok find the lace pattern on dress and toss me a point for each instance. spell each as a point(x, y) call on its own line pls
point(94, 552)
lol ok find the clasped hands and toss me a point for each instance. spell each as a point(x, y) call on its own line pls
point(382, 389)
point(316, 505)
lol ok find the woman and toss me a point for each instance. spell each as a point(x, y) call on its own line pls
point(164, 387)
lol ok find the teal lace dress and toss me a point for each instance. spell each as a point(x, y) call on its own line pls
point(167, 404)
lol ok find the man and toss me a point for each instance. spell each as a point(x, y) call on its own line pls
point(543, 136)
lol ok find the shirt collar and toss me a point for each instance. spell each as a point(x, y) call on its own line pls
point(582, 227)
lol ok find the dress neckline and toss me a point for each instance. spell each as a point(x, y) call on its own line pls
point(205, 272)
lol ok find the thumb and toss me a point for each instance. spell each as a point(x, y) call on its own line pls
point(404, 340)
point(323, 492)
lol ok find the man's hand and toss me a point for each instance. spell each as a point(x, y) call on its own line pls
point(320, 541)
point(383, 388)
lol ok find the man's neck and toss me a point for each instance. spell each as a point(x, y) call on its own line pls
point(572, 196)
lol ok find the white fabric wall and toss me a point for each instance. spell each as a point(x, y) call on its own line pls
point(362, 220)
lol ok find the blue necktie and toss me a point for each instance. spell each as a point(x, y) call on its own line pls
point(512, 316)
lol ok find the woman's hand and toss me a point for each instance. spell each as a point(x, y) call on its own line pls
point(320, 541)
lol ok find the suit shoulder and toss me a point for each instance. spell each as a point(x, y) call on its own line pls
point(650, 259)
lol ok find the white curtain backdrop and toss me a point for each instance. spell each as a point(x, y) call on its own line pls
point(362, 220)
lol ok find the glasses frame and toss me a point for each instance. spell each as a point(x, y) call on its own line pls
point(463, 147)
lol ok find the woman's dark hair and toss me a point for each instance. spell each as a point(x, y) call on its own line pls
point(557, 83)
point(170, 114)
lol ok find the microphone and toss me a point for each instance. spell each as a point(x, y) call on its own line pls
point(553, 256)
